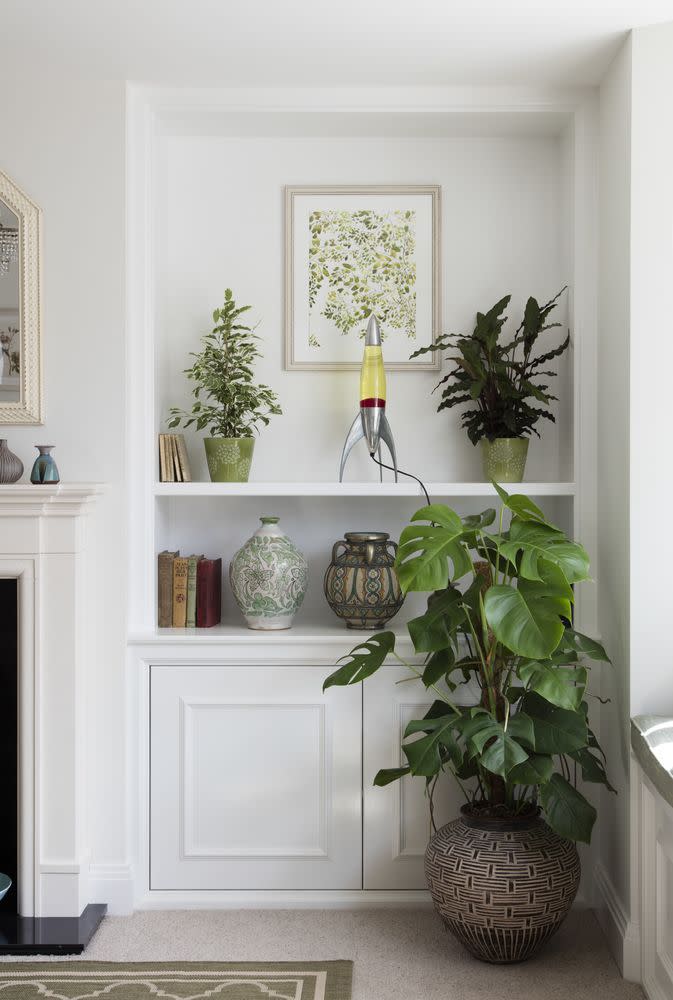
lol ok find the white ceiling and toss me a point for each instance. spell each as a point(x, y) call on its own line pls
point(326, 42)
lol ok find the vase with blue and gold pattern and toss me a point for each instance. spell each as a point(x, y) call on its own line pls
point(361, 584)
point(269, 577)
point(45, 470)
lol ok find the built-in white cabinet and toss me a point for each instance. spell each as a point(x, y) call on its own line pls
point(255, 779)
point(656, 871)
point(260, 781)
point(396, 818)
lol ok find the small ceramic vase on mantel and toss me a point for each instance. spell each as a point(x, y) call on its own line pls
point(269, 577)
point(45, 470)
point(11, 466)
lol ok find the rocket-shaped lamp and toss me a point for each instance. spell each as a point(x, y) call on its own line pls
point(371, 422)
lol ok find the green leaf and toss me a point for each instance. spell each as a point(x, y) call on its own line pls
point(537, 770)
point(527, 619)
point(593, 768)
point(584, 644)
point(561, 686)
point(365, 659)
point(557, 730)
point(537, 542)
point(521, 505)
point(567, 811)
point(433, 630)
point(502, 754)
point(521, 727)
point(438, 665)
point(424, 755)
point(389, 774)
point(430, 556)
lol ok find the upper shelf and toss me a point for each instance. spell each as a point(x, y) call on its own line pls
point(331, 489)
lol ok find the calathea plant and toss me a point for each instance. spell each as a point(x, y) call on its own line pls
point(226, 399)
point(501, 381)
point(498, 620)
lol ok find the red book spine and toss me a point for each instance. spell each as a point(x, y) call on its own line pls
point(208, 593)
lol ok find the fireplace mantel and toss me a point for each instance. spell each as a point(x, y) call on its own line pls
point(43, 545)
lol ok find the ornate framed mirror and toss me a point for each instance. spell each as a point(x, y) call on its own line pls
point(20, 309)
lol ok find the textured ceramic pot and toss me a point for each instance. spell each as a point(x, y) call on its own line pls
point(229, 459)
point(11, 466)
point(269, 576)
point(504, 459)
point(45, 470)
point(361, 585)
point(502, 886)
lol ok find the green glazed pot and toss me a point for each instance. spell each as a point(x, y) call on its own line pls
point(504, 459)
point(229, 459)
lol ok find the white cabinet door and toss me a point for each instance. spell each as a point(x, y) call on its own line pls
point(255, 779)
point(397, 817)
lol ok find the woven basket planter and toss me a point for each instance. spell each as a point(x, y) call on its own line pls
point(502, 886)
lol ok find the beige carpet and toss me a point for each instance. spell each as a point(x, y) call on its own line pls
point(397, 954)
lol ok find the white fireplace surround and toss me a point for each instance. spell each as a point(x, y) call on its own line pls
point(43, 546)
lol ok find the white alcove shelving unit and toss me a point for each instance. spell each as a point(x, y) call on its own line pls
point(252, 785)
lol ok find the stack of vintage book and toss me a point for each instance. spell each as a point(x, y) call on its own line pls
point(190, 591)
point(173, 459)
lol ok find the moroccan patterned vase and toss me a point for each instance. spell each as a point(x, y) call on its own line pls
point(502, 886)
point(269, 576)
point(504, 459)
point(229, 459)
point(361, 584)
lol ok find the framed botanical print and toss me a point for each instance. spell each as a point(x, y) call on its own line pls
point(352, 251)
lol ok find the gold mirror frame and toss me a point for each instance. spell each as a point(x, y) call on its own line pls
point(28, 409)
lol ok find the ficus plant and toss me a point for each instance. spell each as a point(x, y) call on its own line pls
point(498, 622)
point(226, 399)
point(502, 381)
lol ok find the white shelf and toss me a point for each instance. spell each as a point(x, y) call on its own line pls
point(372, 489)
point(331, 632)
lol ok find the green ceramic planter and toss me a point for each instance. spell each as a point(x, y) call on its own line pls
point(229, 459)
point(504, 459)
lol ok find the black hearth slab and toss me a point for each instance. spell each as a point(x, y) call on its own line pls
point(49, 935)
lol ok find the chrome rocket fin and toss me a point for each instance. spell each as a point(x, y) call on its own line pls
point(387, 436)
point(354, 435)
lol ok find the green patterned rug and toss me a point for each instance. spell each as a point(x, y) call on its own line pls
point(176, 980)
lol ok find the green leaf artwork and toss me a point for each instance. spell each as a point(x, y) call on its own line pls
point(362, 262)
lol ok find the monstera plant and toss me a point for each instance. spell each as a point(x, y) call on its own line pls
point(498, 621)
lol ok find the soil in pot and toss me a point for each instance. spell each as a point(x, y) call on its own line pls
point(501, 884)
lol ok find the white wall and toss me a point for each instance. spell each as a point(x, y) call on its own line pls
point(613, 457)
point(63, 143)
point(219, 223)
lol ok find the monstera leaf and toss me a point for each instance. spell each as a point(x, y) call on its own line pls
point(431, 631)
point(502, 754)
point(562, 686)
point(567, 811)
point(536, 770)
point(584, 644)
point(425, 754)
point(527, 619)
point(364, 660)
point(557, 730)
point(521, 505)
point(431, 555)
point(540, 543)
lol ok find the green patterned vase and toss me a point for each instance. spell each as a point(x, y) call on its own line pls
point(504, 459)
point(269, 576)
point(229, 459)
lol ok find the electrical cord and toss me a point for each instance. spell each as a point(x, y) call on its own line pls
point(401, 472)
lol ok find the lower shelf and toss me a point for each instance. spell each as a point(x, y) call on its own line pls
point(49, 935)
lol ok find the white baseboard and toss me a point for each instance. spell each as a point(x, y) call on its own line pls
point(114, 885)
point(622, 933)
point(284, 900)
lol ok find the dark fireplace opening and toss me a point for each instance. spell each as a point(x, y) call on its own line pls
point(9, 738)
